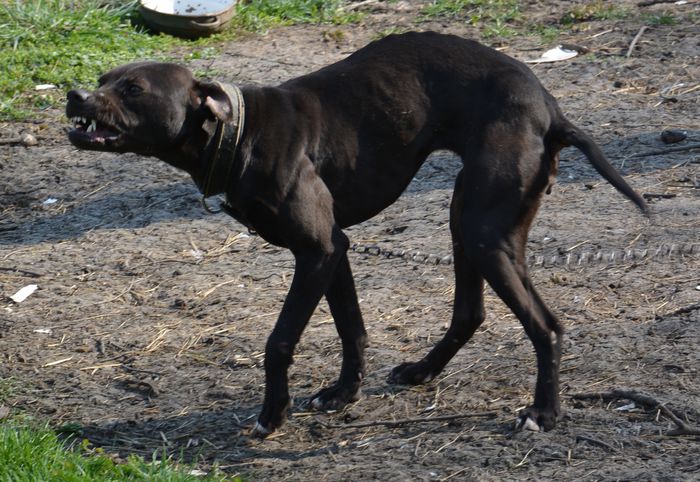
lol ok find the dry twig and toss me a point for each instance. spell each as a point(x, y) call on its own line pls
point(649, 3)
point(355, 6)
point(595, 441)
point(31, 274)
point(408, 421)
point(635, 40)
point(680, 311)
point(682, 427)
point(660, 152)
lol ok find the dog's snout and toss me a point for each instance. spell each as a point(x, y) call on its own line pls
point(78, 95)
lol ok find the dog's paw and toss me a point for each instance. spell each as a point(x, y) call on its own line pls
point(272, 416)
point(259, 431)
point(526, 424)
point(536, 420)
point(411, 374)
point(334, 398)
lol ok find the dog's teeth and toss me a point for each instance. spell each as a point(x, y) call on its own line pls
point(92, 127)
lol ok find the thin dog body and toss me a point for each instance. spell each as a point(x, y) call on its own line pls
point(301, 161)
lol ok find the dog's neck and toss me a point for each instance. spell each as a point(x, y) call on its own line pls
point(217, 162)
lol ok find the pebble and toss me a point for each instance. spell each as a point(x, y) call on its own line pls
point(671, 136)
point(28, 140)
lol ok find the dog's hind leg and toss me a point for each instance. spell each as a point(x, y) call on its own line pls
point(546, 409)
point(506, 273)
point(468, 311)
point(345, 309)
point(498, 222)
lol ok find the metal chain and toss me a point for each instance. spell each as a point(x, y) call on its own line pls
point(572, 259)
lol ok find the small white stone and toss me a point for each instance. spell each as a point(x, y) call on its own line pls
point(23, 293)
point(28, 140)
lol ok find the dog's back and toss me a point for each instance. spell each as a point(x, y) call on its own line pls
point(400, 98)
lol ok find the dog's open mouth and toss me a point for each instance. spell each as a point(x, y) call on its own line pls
point(90, 133)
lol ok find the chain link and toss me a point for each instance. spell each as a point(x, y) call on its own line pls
point(572, 259)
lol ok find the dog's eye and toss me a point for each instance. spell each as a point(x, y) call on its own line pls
point(134, 89)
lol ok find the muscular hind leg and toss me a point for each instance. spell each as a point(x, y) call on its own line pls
point(497, 247)
point(508, 180)
point(508, 277)
point(494, 205)
point(468, 311)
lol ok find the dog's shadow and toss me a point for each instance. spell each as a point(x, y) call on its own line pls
point(223, 436)
point(110, 210)
point(217, 436)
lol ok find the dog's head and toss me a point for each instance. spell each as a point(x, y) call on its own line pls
point(146, 107)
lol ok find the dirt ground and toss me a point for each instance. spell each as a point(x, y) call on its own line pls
point(150, 318)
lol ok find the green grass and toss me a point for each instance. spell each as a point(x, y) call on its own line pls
point(31, 452)
point(598, 10)
point(258, 15)
point(548, 33)
point(8, 387)
point(656, 19)
point(389, 31)
point(495, 18)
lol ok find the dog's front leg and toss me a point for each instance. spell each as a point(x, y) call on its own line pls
point(342, 300)
point(313, 273)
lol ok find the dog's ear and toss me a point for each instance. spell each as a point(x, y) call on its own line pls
point(216, 101)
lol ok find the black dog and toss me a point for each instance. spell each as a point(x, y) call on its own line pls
point(300, 161)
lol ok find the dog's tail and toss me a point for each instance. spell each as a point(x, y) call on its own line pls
point(570, 135)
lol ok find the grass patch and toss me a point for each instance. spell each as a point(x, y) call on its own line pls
point(257, 15)
point(598, 10)
point(389, 31)
point(548, 33)
point(495, 18)
point(29, 452)
point(656, 19)
point(8, 387)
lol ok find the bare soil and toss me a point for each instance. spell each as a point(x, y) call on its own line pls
point(150, 320)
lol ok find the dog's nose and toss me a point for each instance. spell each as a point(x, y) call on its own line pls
point(78, 95)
